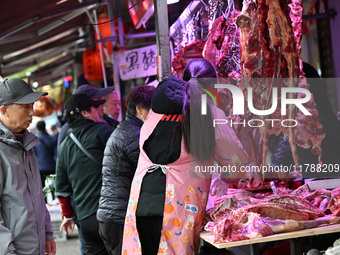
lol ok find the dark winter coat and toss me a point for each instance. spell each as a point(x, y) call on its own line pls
point(76, 174)
point(119, 166)
point(46, 152)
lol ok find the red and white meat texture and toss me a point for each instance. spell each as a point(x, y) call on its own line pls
point(235, 220)
point(334, 204)
point(309, 131)
point(303, 190)
point(251, 227)
point(184, 55)
point(288, 202)
point(222, 47)
point(280, 226)
point(269, 51)
point(229, 204)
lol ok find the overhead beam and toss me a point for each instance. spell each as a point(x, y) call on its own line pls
point(40, 44)
point(41, 55)
point(58, 23)
point(17, 38)
point(62, 67)
point(129, 36)
point(34, 68)
point(45, 16)
point(16, 28)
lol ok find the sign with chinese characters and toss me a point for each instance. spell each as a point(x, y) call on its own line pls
point(138, 63)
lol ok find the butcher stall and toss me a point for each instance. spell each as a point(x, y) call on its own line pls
point(255, 46)
point(243, 217)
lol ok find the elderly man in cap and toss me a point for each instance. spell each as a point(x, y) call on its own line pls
point(112, 108)
point(96, 94)
point(102, 93)
point(78, 170)
point(25, 226)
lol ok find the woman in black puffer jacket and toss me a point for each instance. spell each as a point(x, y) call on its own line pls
point(119, 166)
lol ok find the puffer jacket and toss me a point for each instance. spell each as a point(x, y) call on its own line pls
point(25, 224)
point(119, 166)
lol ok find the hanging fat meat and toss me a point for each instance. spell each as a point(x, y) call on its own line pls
point(210, 51)
point(184, 55)
point(270, 57)
point(222, 47)
point(223, 50)
point(309, 132)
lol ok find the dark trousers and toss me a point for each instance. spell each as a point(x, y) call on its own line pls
point(112, 235)
point(149, 231)
point(89, 228)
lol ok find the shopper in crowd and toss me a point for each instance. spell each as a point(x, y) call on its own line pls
point(119, 166)
point(55, 131)
point(112, 108)
point(96, 94)
point(25, 226)
point(78, 171)
point(46, 152)
point(167, 199)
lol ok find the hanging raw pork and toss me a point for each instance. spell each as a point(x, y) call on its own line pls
point(270, 57)
point(184, 55)
point(222, 47)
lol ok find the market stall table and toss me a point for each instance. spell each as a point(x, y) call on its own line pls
point(295, 239)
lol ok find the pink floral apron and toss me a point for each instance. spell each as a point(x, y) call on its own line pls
point(185, 200)
point(184, 207)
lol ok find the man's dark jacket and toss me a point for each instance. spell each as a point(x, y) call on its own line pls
point(76, 174)
point(119, 166)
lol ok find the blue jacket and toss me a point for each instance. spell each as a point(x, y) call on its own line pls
point(46, 151)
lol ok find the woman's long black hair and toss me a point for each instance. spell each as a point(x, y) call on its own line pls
point(200, 139)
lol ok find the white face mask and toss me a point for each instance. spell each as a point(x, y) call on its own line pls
point(142, 117)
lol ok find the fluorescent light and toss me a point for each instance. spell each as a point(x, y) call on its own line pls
point(172, 1)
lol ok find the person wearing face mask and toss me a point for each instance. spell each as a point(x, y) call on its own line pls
point(119, 165)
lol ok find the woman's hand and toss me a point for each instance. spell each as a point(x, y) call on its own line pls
point(218, 187)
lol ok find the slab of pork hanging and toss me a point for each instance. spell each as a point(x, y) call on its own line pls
point(260, 48)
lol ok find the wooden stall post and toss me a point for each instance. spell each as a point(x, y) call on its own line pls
point(162, 38)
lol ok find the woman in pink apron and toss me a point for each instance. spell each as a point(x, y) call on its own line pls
point(170, 188)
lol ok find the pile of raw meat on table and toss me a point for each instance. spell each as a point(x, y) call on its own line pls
point(242, 215)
